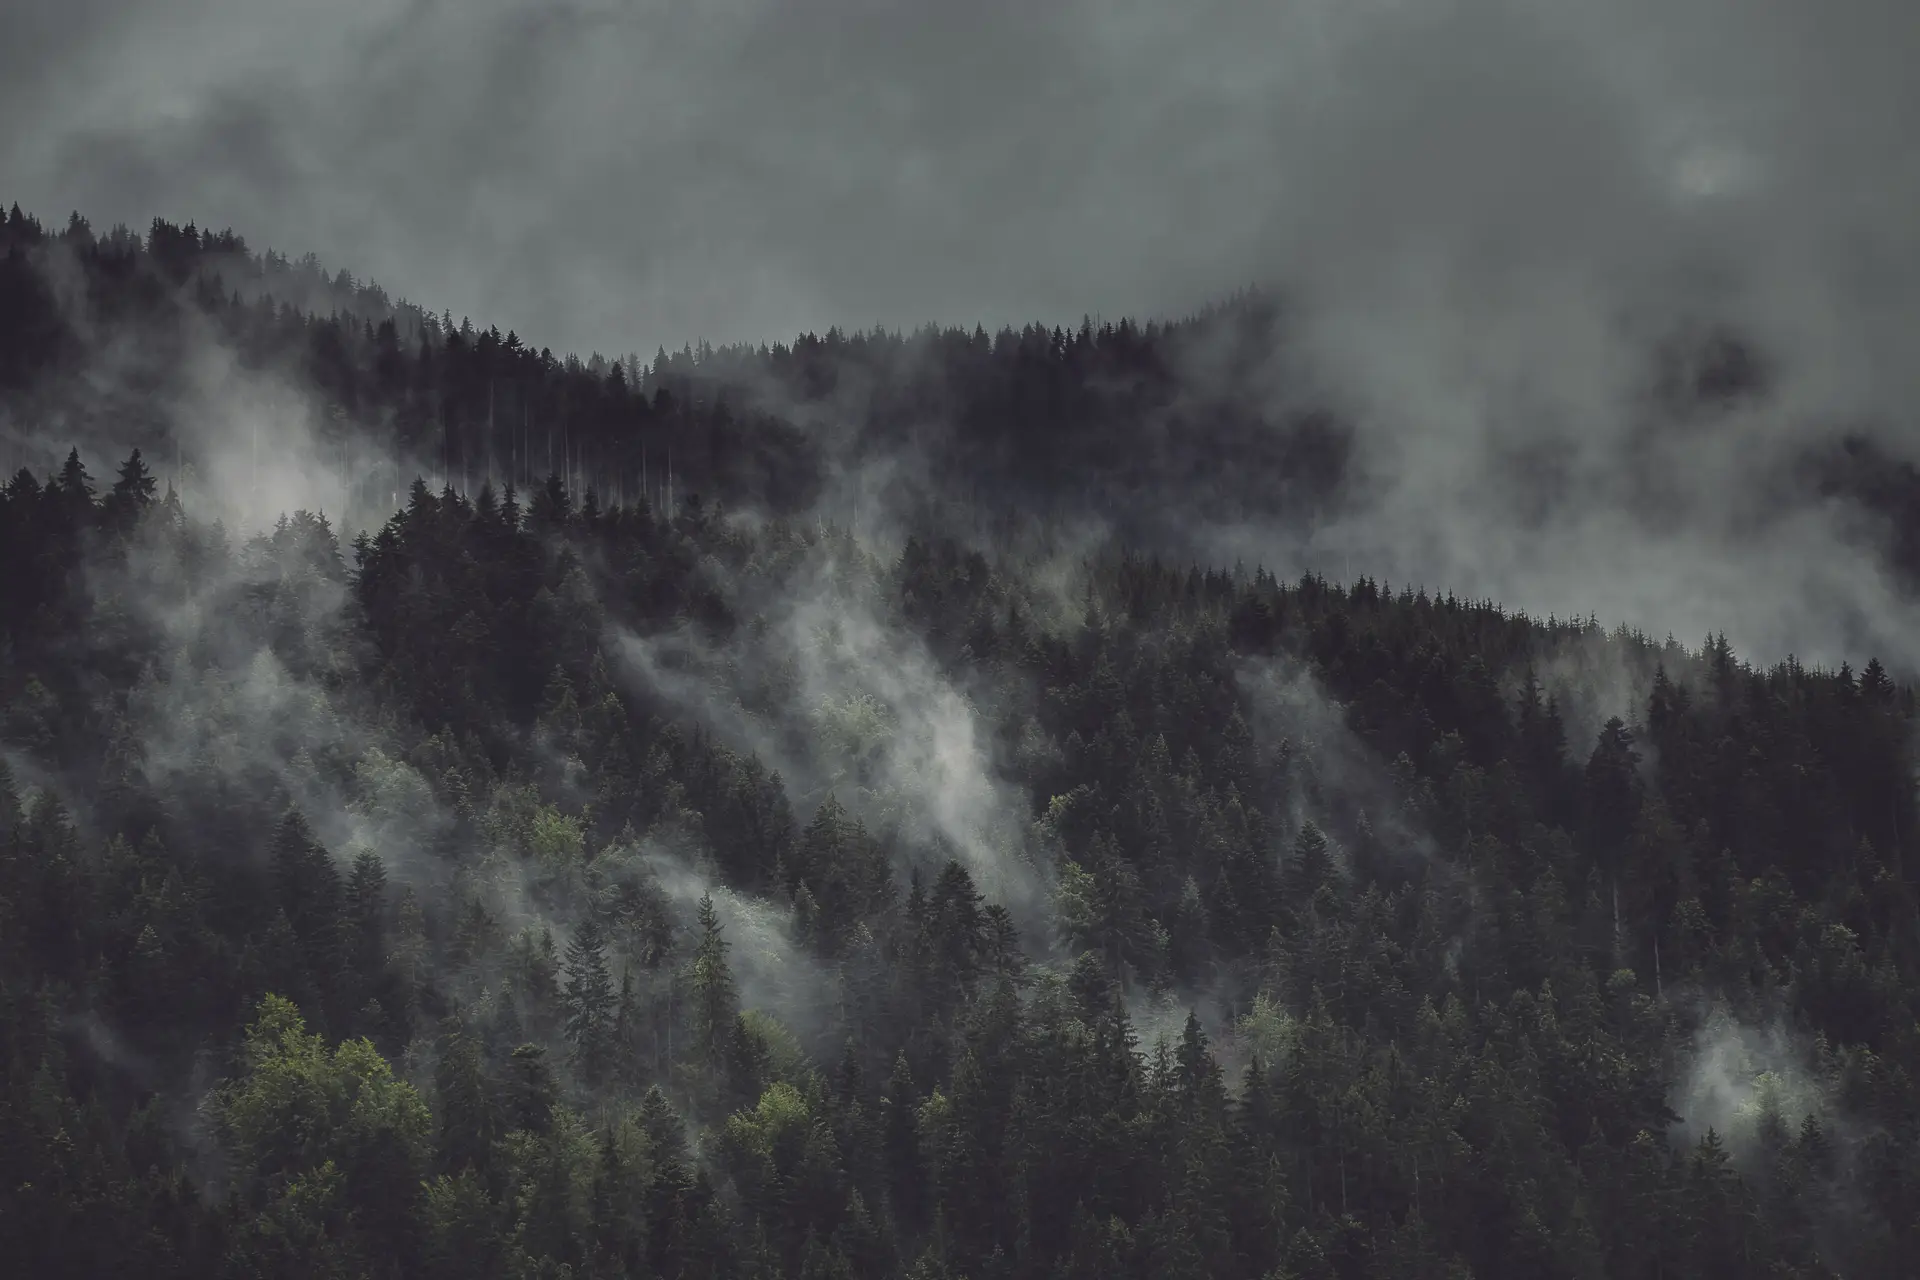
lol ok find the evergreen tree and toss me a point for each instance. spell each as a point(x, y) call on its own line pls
point(466, 1105)
point(1472, 975)
point(589, 1001)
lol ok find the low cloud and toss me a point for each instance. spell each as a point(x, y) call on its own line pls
point(1740, 1078)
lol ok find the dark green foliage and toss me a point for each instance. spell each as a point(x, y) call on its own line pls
point(589, 1001)
point(1411, 982)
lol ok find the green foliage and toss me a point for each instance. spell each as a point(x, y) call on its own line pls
point(1449, 890)
point(326, 1144)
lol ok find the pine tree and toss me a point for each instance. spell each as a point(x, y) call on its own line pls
point(310, 894)
point(530, 1094)
point(131, 494)
point(75, 487)
point(589, 1001)
point(629, 1031)
point(1310, 867)
point(366, 917)
point(1613, 794)
point(467, 1112)
point(715, 1005)
point(901, 1153)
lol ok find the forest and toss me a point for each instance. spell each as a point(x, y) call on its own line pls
point(565, 870)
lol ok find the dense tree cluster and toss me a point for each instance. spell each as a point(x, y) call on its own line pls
point(1459, 989)
point(559, 879)
point(1137, 424)
point(1106, 415)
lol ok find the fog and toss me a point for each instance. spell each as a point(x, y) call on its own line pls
point(847, 701)
point(613, 175)
point(1742, 1079)
point(1484, 216)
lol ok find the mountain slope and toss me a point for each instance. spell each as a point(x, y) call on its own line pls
point(539, 881)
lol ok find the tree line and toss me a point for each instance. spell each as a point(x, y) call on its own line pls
point(361, 913)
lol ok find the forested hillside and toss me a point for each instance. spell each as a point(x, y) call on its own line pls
point(558, 878)
point(1080, 419)
point(1158, 431)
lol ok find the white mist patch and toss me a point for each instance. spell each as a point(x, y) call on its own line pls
point(772, 972)
point(848, 704)
point(107, 1045)
point(30, 779)
point(241, 442)
point(1326, 759)
point(1741, 1080)
point(1161, 1017)
point(1595, 677)
point(677, 667)
point(928, 737)
point(254, 445)
point(394, 812)
point(238, 691)
point(240, 723)
point(1288, 700)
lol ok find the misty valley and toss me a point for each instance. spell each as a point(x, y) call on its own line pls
point(866, 807)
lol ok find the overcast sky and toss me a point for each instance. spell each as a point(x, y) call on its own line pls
point(1489, 204)
point(620, 173)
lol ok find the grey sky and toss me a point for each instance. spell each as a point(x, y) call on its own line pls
point(617, 173)
point(611, 175)
point(1490, 204)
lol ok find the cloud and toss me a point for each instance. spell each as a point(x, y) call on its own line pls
point(771, 972)
point(1329, 770)
point(1739, 1078)
point(1484, 214)
point(239, 437)
point(611, 174)
point(846, 700)
point(237, 700)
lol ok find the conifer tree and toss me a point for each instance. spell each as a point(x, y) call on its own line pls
point(714, 1003)
point(589, 1001)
